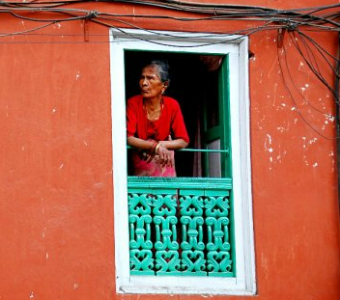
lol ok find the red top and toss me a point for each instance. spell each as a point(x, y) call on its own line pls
point(170, 122)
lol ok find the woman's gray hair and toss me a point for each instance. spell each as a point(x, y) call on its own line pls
point(163, 69)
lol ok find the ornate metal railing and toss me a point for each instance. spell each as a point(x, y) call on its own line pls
point(180, 226)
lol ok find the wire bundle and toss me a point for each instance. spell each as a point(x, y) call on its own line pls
point(296, 22)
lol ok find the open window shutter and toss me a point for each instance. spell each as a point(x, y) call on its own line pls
point(216, 123)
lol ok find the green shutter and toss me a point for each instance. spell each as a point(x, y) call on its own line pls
point(218, 131)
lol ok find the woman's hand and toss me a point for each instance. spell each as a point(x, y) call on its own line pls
point(163, 148)
point(147, 156)
point(166, 157)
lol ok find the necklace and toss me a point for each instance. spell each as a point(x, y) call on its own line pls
point(153, 115)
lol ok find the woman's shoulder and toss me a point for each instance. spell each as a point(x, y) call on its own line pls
point(135, 101)
point(170, 101)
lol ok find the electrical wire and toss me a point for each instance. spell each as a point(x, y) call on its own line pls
point(295, 21)
point(337, 110)
point(292, 81)
point(26, 31)
point(293, 99)
point(314, 68)
point(244, 13)
point(321, 50)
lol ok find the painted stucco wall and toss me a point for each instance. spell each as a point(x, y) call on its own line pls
point(56, 191)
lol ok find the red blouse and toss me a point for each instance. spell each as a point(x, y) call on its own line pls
point(170, 122)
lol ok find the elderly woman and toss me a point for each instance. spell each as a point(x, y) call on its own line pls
point(155, 125)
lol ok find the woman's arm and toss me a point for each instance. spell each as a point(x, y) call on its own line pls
point(140, 143)
point(163, 149)
point(148, 145)
point(174, 144)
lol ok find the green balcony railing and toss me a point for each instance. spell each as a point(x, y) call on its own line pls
point(226, 151)
point(180, 226)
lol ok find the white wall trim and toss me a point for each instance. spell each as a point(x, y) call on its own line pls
point(237, 49)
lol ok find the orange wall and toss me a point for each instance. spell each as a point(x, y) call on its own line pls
point(56, 193)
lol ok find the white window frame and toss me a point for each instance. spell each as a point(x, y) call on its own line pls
point(237, 48)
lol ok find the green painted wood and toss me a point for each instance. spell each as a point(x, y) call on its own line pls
point(182, 234)
point(189, 183)
point(224, 114)
point(225, 151)
point(216, 192)
point(232, 231)
point(197, 150)
point(220, 131)
point(212, 134)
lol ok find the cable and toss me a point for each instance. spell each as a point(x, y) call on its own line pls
point(301, 95)
point(321, 50)
point(295, 21)
point(337, 109)
point(293, 99)
point(26, 31)
point(311, 66)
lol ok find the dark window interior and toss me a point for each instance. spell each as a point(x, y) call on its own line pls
point(191, 84)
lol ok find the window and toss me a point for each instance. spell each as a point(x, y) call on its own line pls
point(173, 258)
point(202, 95)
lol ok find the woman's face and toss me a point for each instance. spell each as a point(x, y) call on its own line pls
point(150, 83)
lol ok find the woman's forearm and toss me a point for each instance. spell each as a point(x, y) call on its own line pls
point(139, 143)
point(174, 144)
point(147, 145)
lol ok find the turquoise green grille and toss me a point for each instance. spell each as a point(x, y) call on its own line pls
point(181, 231)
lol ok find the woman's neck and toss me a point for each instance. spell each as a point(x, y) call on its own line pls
point(153, 108)
point(152, 103)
